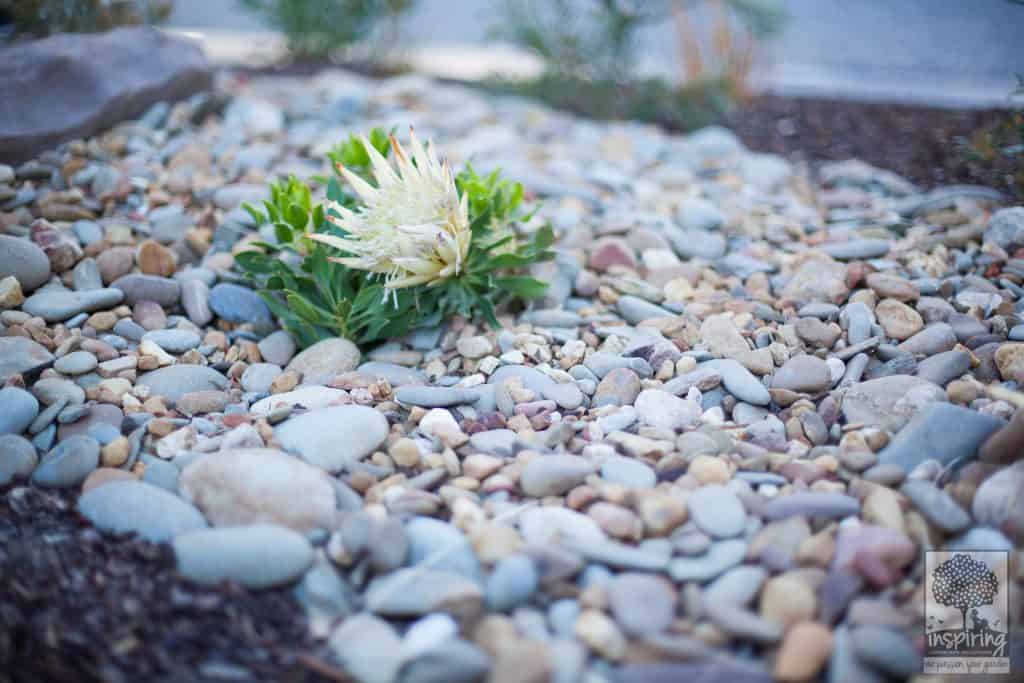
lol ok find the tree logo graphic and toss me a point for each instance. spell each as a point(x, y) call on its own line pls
point(966, 612)
point(964, 583)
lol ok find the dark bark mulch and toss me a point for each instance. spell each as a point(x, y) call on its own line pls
point(77, 606)
point(927, 145)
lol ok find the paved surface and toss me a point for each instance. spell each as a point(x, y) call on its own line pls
point(948, 52)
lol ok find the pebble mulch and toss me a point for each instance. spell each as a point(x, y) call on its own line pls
point(749, 401)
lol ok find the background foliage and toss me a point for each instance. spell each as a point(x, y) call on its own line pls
point(40, 18)
point(588, 49)
point(317, 29)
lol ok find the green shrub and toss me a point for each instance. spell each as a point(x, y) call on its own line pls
point(344, 268)
point(588, 49)
point(41, 18)
point(595, 41)
point(319, 28)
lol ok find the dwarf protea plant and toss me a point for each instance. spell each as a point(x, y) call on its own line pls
point(412, 226)
point(405, 244)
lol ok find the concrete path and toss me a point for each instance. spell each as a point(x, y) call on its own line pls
point(942, 52)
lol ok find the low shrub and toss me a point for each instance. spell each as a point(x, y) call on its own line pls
point(318, 29)
point(589, 52)
point(40, 18)
point(398, 243)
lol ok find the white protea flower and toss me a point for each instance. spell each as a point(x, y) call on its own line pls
point(413, 228)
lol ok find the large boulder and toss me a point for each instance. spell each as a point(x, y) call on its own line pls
point(75, 85)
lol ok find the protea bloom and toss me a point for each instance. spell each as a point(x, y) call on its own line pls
point(412, 228)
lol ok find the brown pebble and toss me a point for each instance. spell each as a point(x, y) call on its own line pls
point(150, 315)
point(961, 391)
point(105, 475)
point(115, 262)
point(201, 402)
point(892, 287)
point(804, 652)
point(102, 321)
point(155, 259)
point(1006, 445)
point(285, 382)
point(116, 453)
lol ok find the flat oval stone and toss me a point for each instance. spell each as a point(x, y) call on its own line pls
point(17, 458)
point(175, 381)
point(641, 603)
point(628, 472)
point(277, 347)
point(417, 591)
point(195, 299)
point(163, 290)
point(24, 260)
point(547, 524)
point(173, 341)
point(309, 397)
point(366, 646)
point(76, 363)
point(136, 507)
point(239, 304)
point(882, 402)
point(68, 464)
point(257, 556)
point(661, 409)
point(259, 377)
point(804, 374)
point(396, 375)
point(20, 354)
point(811, 504)
point(435, 397)
point(252, 485)
point(943, 432)
point(17, 410)
point(440, 545)
point(738, 586)
point(322, 361)
point(720, 556)
point(54, 305)
point(513, 581)
point(332, 438)
point(739, 381)
point(552, 475)
point(717, 511)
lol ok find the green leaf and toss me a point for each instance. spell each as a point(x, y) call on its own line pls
point(308, 311)
point(522, 286)
point(283, 233)
point(487, 311)
point(334, 191)
point(318, 218)
point(256, 214)
point(502, 261)
point(254, 262)
point(298, 216)
point(544, 238)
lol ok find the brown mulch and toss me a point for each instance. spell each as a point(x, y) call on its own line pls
point(78, 606)
point(927, 145)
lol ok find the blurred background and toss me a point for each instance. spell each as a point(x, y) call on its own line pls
point(947, 53)
point(925, 87)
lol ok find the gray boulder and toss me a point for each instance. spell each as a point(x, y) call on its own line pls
point(75, 85)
